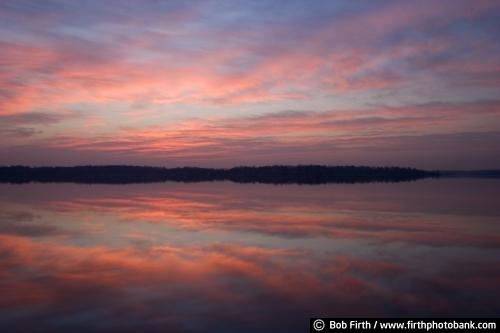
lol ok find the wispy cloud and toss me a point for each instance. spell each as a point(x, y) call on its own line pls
point(217, 59)
point(424, 131)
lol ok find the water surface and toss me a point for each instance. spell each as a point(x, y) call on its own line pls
point(225, 257)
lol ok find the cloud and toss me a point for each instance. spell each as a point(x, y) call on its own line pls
point(438, 135)
point(35, 118)
point(215, 59)
point(22, 127)
point(183, 57)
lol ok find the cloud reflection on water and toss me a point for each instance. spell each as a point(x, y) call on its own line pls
point(220, 257)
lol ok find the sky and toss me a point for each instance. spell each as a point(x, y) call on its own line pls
point(225, 83)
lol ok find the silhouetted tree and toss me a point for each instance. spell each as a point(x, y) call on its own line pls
point(277, 174)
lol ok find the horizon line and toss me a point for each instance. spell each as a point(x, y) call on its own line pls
point(254, 166)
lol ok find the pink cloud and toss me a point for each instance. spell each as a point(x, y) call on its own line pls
point(428, 131)
point(400, 50)
point(56, 74)
point(380, 127)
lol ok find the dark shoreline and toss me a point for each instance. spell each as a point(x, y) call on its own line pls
point(278, 174)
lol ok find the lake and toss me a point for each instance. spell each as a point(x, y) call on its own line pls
point(226, 257)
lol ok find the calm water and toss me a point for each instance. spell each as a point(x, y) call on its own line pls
point(224, 257)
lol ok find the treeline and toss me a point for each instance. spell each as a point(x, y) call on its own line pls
point(470, 174)
point(278, 174)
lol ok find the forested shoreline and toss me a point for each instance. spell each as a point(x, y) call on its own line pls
point(278, 174)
